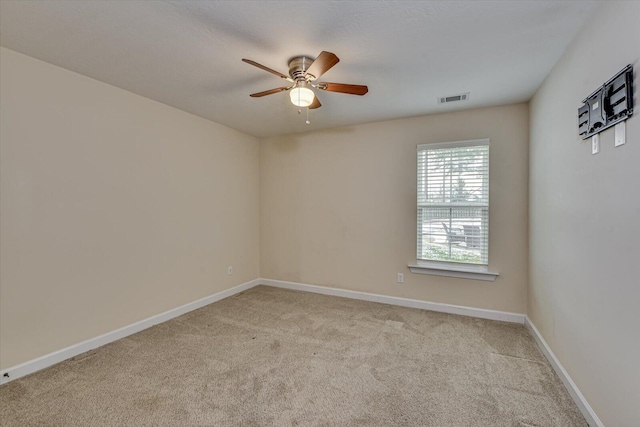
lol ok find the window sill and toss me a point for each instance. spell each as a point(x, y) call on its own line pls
point(461, 272)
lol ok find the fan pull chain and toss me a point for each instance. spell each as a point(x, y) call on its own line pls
point(308, 122)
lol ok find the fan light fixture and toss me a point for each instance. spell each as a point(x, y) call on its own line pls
point(301, 96)
point(303, 75)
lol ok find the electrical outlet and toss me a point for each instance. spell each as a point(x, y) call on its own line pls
point(595, 144)
point(230, 270)
point(400, 278)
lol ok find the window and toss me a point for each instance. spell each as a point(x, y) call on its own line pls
point(453, 202)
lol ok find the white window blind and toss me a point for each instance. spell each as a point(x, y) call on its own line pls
point(453, 202)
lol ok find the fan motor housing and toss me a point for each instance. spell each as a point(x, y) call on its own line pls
point(298, 68)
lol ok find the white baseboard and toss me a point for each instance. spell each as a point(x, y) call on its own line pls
point(404, 302)
point(587, 411)
point(71, 351)
point(50, 359)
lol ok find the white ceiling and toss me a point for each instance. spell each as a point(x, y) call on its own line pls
point(188, 54)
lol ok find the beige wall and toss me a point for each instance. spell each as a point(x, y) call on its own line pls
point(114, 208)
point(338, 207)
point(584, 290)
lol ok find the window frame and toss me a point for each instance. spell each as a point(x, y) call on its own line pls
point(448, 267)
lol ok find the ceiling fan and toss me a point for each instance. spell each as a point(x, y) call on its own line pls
point(303, 73)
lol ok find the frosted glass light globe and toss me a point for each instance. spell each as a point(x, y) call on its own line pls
point(301, 96)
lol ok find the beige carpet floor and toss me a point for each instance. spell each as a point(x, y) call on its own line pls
point(274, 357)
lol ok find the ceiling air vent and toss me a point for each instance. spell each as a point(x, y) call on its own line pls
point(453, 98)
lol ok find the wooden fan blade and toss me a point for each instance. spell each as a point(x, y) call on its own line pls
point(322, 64)
point(344, 88)
point(269, 92)
point(262, 67)
point(315, 104)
